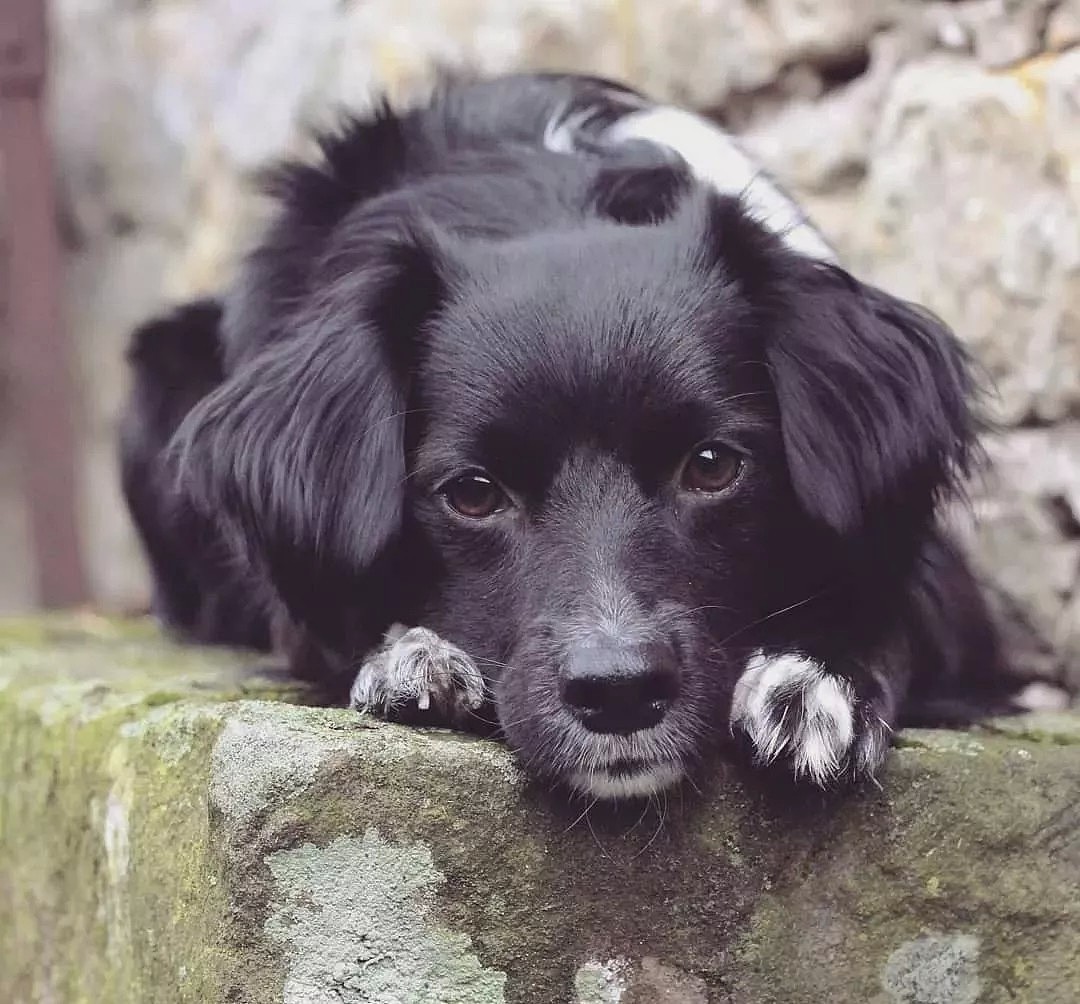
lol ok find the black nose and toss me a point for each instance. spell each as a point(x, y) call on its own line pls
point(619, 688)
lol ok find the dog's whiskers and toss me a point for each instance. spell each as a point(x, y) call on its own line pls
point(581, 816)
point(637, 822)
point(707, 606)
point(596, 839)
point(491, 723)
point(660, 801)
point(774, 614)
point(492, 662)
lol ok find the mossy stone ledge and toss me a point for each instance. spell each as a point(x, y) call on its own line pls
point(179, 825)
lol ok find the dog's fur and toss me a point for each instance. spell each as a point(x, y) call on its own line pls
point(524, 278)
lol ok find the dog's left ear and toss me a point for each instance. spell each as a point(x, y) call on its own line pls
point(874, 396)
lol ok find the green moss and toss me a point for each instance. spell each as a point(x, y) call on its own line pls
point(119, 659)
point(74, 629)
point(163, 839)
point(111, 887)
point(110, 881)
point(957, 847)
point(1061, 728)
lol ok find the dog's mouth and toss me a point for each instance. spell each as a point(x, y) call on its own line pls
point(607, 766)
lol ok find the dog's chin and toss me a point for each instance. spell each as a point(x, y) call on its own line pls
point(620, 783)
point(606, 766)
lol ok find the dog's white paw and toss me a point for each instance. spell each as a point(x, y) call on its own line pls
point(790, 707)
point(416, 665)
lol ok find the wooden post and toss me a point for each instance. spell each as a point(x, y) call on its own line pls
point(37, 351)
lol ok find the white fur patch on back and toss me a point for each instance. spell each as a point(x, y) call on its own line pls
point(717, 160)
point(563, 128)
point(790, 706)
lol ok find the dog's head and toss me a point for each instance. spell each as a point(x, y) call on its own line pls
point(607, 462)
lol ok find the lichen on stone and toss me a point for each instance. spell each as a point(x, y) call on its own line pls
point(356, 923)
point(602, 982)
point(934, 969)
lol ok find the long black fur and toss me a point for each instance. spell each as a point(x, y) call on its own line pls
point(440, 292)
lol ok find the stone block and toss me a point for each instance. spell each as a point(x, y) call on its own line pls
point(178, 825)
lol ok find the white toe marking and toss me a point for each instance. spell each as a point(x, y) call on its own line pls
point(417, 665)
point(816, 734)
point(647, 781)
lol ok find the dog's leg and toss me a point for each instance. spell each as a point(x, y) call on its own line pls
point(824, 725)
point(415, 669)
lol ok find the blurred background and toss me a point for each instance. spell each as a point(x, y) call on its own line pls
point(936, 143)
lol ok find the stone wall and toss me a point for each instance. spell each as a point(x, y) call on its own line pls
point(938, 144)
point(171, 833)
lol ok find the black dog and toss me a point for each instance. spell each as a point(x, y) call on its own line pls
point(554, 387)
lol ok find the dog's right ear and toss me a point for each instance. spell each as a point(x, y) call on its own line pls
point(299, 456)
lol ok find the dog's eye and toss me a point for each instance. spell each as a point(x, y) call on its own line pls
point(474, 496)
point(712, 467)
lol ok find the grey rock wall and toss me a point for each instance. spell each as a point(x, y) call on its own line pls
point(937, 143)
point(171, 832)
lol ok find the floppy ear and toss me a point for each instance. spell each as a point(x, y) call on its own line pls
point(299, 455)
point(874, 396)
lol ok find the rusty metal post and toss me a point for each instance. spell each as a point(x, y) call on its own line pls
point(38, 352)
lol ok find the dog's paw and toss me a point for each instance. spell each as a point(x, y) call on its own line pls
point(792, 709)
point(415, 666)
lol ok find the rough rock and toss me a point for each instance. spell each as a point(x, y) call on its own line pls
point(1026, 537)
point(971, 207)
point(819, 144)
point(999, 32)
point(1063, 26)
point(171, 829)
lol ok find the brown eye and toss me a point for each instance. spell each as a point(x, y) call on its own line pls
point(712, 467)
point(475, 496)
